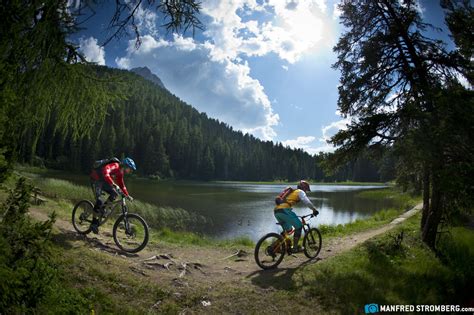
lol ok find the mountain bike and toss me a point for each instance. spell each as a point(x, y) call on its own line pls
point(130, 231)
point(272, 247)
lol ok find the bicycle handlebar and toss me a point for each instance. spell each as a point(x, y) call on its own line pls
point(311, 215)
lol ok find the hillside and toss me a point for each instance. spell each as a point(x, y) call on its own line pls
point(169, 138)
point(147, 74)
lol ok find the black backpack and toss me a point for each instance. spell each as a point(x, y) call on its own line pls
point(101, 163)
point(281, 198)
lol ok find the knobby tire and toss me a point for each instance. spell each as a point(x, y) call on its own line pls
point(143, 225)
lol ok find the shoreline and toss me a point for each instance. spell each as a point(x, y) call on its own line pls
point(40, 170)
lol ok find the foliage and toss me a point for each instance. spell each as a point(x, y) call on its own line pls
point(168, 138)
point(460, 20)
point(457, 253)
point(38, 82)
point(402, 272)
point(40, 79)
point(395, 85)
point(26, 268)
point(156, 217)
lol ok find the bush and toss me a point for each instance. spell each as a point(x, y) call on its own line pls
point(25, 266)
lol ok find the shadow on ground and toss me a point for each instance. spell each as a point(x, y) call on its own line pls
point(66, 239)
point(278, 278)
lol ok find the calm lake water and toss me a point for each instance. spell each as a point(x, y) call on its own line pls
point(238, 209)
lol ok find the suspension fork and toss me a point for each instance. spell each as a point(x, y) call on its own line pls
point(125, 216)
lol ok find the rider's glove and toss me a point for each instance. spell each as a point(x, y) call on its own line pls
point(315, 212)
point(116, 188)
point(130, 198)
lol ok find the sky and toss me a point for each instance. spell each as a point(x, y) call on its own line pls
point(262, 67)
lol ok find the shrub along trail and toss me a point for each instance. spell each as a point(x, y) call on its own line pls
point(205, 277)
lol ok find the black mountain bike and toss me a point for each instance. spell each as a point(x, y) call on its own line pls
point(130, 230)
point(271, 248)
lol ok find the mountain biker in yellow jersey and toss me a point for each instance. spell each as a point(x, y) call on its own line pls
point(287, 218)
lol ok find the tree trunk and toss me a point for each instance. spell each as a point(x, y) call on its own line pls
point(430, 229)
point(426, 196)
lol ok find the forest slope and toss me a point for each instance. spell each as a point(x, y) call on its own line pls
point(169, 138)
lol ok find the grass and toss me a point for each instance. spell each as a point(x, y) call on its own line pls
point(89, 280)
point(190, 238)
point(401, 199)
point(378, 219)
point(283, 182)
point(174, 225)
point(402, 202)
point(379, 271)
point(170, 225)
point(68, 194)
point(385, 272)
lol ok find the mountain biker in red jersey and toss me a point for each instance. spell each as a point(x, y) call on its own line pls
point(287, 218)
point(109, 178)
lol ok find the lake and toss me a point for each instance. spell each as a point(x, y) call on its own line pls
point(241, 209)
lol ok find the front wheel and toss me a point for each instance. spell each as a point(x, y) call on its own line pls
point(82, 216)
point(130, 233)
point(312, 243)
point(269, 251)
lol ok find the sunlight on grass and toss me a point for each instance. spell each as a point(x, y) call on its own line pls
point(400, 199)
point(386, 272)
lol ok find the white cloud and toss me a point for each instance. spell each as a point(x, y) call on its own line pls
point(295, 28)
point(314, 146)
point(212, 75)
point(333, 128)
point(306, 143)
point(223, 89)
point(91, 50)
point(146, 21)
point(329, 131)
point(299, 142)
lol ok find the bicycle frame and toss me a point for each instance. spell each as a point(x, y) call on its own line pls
point(272, 247)
point(286, 234)
point(306, 226)
point(112, 206)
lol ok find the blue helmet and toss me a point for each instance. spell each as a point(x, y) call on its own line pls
point(129, 163)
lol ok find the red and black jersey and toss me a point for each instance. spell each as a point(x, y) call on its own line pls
point(110, 173)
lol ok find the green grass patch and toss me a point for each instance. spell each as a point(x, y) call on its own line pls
point(68, 194)
point(402, 200)
point(89, 280)
point(385, 271)
point(170, 224)
point(378, 219)
point(282, 182)
point(62, 189)
point(189, 238)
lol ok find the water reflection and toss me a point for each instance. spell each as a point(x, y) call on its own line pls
point(238, 209)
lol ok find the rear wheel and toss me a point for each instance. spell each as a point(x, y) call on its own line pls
point(312, 243)
point(269, 251)
point(130, 233)
point(82, 216)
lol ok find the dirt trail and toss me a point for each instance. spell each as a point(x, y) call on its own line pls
point(188, 265)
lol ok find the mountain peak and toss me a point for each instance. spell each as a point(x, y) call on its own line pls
point(148, 75)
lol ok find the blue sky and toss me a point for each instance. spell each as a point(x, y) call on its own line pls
point(263, 67)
